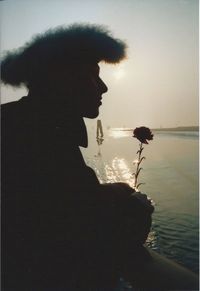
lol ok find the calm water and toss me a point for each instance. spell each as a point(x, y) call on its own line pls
point(170, 173)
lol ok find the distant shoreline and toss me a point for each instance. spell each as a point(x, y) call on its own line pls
point(179, 128)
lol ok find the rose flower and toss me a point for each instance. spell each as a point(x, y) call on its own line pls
point(143, 134)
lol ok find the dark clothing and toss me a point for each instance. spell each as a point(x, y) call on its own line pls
point(60, 226)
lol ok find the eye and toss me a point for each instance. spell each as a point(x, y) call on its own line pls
point(96, 78)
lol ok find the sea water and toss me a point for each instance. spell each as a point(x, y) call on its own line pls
point(170, 174)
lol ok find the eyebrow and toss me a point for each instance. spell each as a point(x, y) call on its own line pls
point(95, 69)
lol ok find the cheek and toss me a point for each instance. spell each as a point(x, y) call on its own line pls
point(88, 94)
point(89, 85)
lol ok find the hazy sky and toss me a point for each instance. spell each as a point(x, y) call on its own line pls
point(158, 83)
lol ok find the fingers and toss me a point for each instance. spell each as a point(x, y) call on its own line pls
point(125, 187)
point(142, 197)
point(145, 200)
point(122, 190)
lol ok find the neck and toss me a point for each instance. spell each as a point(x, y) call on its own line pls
point(56, 107)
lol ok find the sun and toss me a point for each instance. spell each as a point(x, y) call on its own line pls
point(119, 73)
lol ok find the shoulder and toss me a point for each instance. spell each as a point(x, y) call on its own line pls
point(8, 108)
point(13, 107)
point(12, 113)
point(14, 119)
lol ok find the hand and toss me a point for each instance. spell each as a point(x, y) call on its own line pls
point(114, 194)
point(132, 209)
point(135, 219)
point(145, 201)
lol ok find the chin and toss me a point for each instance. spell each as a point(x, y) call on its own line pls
point(92, 114)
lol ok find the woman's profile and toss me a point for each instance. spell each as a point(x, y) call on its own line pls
point(62, 228)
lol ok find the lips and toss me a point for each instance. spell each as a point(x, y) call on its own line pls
point(99, 101)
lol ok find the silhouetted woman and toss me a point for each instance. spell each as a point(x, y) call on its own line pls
point(61, 228)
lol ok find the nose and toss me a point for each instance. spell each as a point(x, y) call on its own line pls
point(103, 86)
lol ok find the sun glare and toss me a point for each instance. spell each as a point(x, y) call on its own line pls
point(118, 132)
point(119, 73)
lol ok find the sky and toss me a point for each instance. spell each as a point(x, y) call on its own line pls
point(156, 86)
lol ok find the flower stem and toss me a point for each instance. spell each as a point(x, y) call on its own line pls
point(138, 165)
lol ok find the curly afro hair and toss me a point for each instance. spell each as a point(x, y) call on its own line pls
point(58, 48)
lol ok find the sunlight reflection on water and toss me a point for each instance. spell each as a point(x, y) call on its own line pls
point(121, 170)
point(171, 179)
point(118, 133)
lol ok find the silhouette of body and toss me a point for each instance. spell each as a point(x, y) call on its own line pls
point(61, 228)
